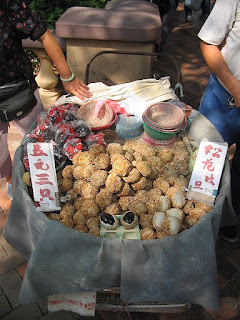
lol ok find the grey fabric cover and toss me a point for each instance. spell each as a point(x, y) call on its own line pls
point(179, 269)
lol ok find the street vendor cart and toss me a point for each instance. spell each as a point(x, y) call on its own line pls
point(160, 275)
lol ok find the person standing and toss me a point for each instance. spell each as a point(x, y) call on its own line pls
point(188, 13)
point(205, 8)
point(17, 22)
point(220, 46)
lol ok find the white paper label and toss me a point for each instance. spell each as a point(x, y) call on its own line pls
point(207, 170)
point(83, 303)
point(43, 175)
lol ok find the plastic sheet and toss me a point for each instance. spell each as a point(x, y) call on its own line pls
point(178, 269)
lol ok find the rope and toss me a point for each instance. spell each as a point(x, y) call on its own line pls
point(180, 87)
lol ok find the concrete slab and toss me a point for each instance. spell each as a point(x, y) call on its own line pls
point(5, 306)
point(10, 262)
point(11, 283)
point(26, 312)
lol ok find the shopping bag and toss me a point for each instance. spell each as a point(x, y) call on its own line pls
point(193, 4)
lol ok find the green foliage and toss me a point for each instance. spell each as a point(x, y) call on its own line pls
point(32, 56)
point(51, 11)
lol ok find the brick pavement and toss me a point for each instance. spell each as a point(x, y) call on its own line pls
point(183, 45)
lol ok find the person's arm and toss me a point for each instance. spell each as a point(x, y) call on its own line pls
point(55, 53)
point(217, 64)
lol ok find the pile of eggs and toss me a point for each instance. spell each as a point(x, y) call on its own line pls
point(142, 183)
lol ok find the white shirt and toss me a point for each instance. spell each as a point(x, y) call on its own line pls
point(223, 28)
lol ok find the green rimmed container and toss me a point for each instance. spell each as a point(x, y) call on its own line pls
point(163, 120)
point(158, 134)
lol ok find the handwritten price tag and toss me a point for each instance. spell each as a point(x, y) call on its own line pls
point(43, 176)
point(207, 172)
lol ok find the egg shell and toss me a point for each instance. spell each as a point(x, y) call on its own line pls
point(158, 219)
point(174, 225)
point(165, 203)
point(176, 213)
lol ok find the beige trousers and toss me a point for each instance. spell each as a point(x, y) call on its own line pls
point(22, 125)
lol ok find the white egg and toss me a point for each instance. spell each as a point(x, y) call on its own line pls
point(164, 203)
point(178, 200)
point(157, 220)
point(174, 225)
point(176, 213)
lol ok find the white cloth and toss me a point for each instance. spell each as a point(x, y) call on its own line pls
point(223, 27)
point(133, 96)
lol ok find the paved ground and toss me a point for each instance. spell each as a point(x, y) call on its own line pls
point(183, 45)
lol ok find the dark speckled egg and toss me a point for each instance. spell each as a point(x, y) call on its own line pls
point(108, 221)
point(129, 220)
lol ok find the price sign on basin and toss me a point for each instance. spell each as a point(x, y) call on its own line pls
point(43, 176)
point(207, 172)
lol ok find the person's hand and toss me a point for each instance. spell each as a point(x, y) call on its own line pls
point(78, 88)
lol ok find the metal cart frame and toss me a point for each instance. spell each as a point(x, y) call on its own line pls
point(178, 87)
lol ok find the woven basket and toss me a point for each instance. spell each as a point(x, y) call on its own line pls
point(104, 117)
point(107, 126)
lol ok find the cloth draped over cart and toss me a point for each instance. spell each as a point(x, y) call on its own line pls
point(133, 96)
point(177, 269)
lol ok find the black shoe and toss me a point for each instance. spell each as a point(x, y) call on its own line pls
point(188, 18)
point(229, 233)
point(157, 47)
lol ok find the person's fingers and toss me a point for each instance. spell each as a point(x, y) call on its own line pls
point(79, 84)
point(77, 89)
point(78, 94)
point(84, 85)
point(82, 91)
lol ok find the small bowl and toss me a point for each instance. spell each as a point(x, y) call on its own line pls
point(157, 134)
point(128, 127)
point(164, 115)
point(177, 129)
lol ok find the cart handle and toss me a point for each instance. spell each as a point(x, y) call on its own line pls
point(179, 74)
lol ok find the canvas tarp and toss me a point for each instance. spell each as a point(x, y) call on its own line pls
point(178, 269)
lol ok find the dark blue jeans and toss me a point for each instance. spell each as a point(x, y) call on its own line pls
point(235, 180)
point(205, 6)
point(214, 106)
